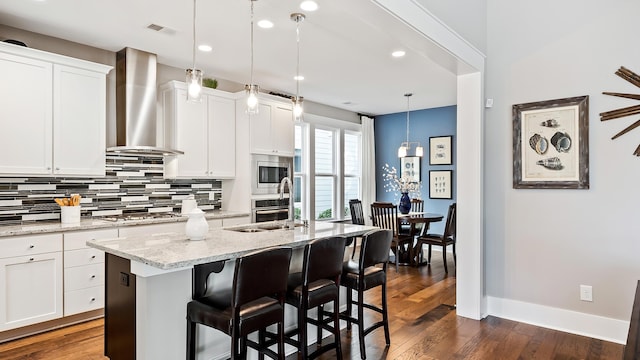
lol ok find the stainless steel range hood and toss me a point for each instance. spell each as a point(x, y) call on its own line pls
point(136, 104)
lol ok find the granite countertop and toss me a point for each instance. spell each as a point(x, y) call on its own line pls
point(173, 250)
point(43, 227)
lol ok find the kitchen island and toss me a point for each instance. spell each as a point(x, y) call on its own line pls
point(149, 283)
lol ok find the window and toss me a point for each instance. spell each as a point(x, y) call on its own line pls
point(325, 174)
point(299, 183)
point(326, 168)
point(352, 156)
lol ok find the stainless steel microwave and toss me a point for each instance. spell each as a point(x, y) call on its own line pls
point(268, 171)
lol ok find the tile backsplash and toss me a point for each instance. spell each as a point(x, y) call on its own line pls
point(132, 185)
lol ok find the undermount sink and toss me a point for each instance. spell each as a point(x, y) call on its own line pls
point(262, 227)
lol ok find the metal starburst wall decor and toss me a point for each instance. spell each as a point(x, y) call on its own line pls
point(634, 79)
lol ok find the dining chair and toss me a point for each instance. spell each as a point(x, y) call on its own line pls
point(255, 301)
point(357, 217)
point(385, 216)
point(368, 272)
point(444, 239)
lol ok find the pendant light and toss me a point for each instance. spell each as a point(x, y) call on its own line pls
point(405, 147)
point(252, 89)
point(297, 100)
point(194, 76)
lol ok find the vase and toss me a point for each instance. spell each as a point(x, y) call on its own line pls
point(196, 227)
point(405, 203)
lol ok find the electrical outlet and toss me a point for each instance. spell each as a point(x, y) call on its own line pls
point(124, 279)
point(586, 293)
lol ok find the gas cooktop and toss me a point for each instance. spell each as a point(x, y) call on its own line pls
point(140, 216)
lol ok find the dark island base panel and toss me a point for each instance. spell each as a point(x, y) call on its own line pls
point(120, 309)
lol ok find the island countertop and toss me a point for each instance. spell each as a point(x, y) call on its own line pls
point(167, 251)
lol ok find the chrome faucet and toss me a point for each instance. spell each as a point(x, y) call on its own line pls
point(286, 180)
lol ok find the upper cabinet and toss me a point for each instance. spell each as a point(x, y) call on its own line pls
point(54, 118)
point(205, 131)
point(271, 130)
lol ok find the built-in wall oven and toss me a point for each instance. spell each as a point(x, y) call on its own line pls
point(267, 173)
point(269, 209)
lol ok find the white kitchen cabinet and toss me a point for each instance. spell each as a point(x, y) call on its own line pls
point(30, 280)
point(84, 271)
point(204, 130)
point(54, 119)
point(79, 126)
point(271, 130)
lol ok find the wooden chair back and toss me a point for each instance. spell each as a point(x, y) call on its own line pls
point(450, 225)
point(417, 205)
point(385, 216)
point(357, 214)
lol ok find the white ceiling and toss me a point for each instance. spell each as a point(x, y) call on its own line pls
point(345, 47)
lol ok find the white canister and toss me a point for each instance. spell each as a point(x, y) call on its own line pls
point(197, 226)
point(69, 214)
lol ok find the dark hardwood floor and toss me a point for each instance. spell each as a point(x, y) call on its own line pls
point(423, 325)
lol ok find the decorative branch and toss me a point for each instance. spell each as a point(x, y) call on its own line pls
point(626, 130)
point(629, 75)
point(628, 96)
point(613, 114)
point(637, 152)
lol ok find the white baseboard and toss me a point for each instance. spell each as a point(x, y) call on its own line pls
point(573, 322)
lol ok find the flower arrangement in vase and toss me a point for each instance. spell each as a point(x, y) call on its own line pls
point(401, 184)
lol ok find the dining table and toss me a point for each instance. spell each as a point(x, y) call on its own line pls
point(413, 219)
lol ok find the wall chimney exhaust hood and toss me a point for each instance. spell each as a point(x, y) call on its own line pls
point(136, 104)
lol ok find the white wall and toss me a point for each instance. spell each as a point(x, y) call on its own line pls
point(466, 17)
point(541, 245)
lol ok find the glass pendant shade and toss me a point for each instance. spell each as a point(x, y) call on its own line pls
point(298, 108)
point(252, 98)
point(402, 151)
point(194, 76)
point(194, 84)
point(405, 147)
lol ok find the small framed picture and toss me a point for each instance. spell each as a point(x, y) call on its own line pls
point(410, 168)
point(440, 150)
point(440, 184)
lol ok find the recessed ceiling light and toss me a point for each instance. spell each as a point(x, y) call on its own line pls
point(265, 24)
point(298, 78)
point(309, 5)
point(398, 53)
point(205, 48)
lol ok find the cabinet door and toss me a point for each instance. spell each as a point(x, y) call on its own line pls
point(79, 104)
point(25, 115)
point(222, 137)
point(30, 289)
point(282, 130)
point(260, 130)
point(191, 135)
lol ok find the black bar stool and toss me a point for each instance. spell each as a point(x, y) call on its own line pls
point(256, 300)
point(317, 284)
point(369, 272)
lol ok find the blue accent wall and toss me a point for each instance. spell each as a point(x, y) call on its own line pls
point(391, 131)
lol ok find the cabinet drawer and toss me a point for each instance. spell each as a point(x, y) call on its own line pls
point(30, 245)
point(78, 240)
point(81, 277)
point(79, 301)
point(81, 257)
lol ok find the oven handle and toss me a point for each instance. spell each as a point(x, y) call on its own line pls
point(271, 211)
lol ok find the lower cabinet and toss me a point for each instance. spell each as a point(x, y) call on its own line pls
point(30, 280)
point(84, 271)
